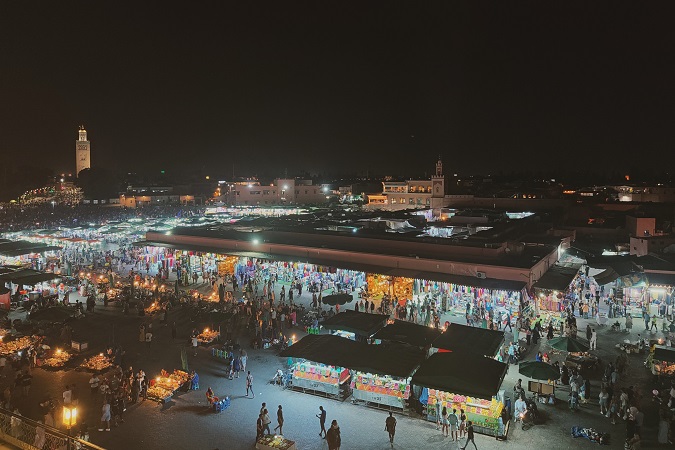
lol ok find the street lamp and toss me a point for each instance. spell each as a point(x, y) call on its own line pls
point(69, 416)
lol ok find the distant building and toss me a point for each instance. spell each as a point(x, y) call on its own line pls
point(411, 194)
point(656, 194)
point(82, 152)
point(282, 191)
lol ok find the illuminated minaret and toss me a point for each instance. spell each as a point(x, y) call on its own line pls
point(82, 152)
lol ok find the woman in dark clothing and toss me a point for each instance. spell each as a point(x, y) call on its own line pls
point(333, 436)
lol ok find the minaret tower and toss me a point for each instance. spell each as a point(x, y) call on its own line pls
point(82, 152)
point(438, 186)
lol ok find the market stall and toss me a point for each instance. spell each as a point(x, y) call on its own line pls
point(56, 360)
point(274, 442)
point(381, 285)
point(383, 380)
point(406, 332)
point(11, 347)
point(166, 384)
point(363, 325)
point(321, 361)
point(462, 338)
point(207, 336)
point(464, 381)
point(661, 361)
point(98, 363)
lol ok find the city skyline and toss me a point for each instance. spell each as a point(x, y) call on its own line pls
point(510, 87)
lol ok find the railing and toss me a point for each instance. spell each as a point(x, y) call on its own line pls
point(27, 434)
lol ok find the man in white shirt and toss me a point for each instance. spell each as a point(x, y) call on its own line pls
point(520, 408)
point(67, 395)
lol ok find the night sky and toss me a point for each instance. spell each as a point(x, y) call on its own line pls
point(338, 86)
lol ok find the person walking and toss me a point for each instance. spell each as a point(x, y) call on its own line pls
point(453, 420)
point(259, 427)
point(469, 435)
point(105, 416)
point(266, 421)
point(594, 339)
point(280, 421)
point(195, 343)
point(390, 427)
point(444, 422)
point(333, 436)
point(322, 421)
point(249, 384)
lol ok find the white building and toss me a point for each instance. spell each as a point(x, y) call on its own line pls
point(82, 152)
point(282, 191)
point(411, 193)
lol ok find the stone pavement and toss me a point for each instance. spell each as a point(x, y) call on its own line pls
point(187, 422)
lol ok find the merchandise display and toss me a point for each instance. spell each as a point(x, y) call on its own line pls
point(483, 413)
point(96, 363)
point(153, 308)
point(320, 372)
point(17, 345)
point(382, 389)
point(272, 441)
point(382, 384)
point(58, 359)
point(164, 386)
point(380, 285)
point(207, 336)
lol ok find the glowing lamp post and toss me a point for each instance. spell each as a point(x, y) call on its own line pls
point(69, 416)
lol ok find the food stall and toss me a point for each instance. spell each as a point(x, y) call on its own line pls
point(661, 361)
point(8, 348)
point(405, 332)
point(166, 384)
point(98, 363)
point(57, 360)
point(274, 442)
point(464, 381)
point(207, 336)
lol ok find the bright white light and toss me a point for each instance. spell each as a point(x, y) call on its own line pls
point(285, 187)
point(255, 241)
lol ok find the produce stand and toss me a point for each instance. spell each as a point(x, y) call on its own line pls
point(17, 345)
point(57, 360)
point(98, 363)
point(464, 381)
point(274, 442)
point(208, 336)
point(163, 387)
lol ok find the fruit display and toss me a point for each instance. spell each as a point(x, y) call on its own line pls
point(159, 393)
point(17, 345)
point(483, 413)
point(58, 358)
point(153, 308)
point(382, 384)
point(321, 373)
point(96, 363)
point(277, 442)
point(208, 336)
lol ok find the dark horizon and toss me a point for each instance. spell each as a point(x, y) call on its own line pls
point(340, 88)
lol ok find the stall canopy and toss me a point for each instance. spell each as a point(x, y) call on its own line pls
point(606, 276)
point(387, 359)
point(461, 338)
point(661, 279)
point(363, 324)
point(663, 353)
point(557, 278)
point(18, 248)
point(461, 373)
point(27, 277)
point(408, 333)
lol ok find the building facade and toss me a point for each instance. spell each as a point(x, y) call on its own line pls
point(411, 194)
point(281, 191)
point(82, 151)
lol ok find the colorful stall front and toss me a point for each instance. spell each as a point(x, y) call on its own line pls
point(464, 381)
